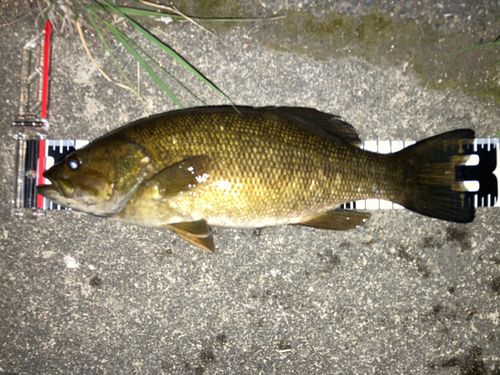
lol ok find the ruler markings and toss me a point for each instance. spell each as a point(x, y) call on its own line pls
point(56, 149)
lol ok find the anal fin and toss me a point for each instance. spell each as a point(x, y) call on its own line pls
point(196, 232)
point(338, 220)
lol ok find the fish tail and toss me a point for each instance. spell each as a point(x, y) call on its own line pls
point(430, 174)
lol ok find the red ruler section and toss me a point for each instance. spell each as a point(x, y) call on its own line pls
point(46, 70)
point(45, 103)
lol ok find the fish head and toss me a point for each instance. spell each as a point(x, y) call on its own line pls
point(98, 179)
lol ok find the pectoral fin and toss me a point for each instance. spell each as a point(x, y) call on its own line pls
point(180, 177)
point(196, 232)
point(338, 220)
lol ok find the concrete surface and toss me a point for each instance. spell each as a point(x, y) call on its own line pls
point(405, 294)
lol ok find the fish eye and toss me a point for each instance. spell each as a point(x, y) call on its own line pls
point(73, 162)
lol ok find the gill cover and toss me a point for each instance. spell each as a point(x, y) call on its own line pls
point(98, 179)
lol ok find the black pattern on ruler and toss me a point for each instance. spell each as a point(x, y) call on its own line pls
point(30, 167)
point(487, 151)
point(483, 172)
point(58, 153)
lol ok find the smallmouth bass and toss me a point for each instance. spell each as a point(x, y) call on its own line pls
point(187, 170)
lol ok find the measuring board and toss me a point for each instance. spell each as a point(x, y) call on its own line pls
point(31, 124)
point(480, 173)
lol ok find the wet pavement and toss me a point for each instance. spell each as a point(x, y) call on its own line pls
point(404, 294)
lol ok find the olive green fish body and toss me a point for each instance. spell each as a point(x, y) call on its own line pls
point(265, 170)
point(188, 169)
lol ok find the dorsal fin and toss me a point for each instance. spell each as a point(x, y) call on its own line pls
point(314, 121)
point(326, 122)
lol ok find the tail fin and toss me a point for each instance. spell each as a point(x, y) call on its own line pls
point(432, 188)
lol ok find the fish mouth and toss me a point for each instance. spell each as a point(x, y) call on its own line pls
point(52, 192)
point(57, 189)
point(48, 191)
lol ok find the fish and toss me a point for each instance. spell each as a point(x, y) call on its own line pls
point(194, 169)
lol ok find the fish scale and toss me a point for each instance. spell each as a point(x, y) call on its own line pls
point(256, 156)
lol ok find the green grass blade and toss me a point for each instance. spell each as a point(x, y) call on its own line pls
point(496, 64)
point(141, 50)
point(474, 47)
point(108, 48)
point(164, 70)
point(153, 39)
point(130, 41)
point(489, 44)
point(133, 11)
point(118, 35)
point(90, 15)
point(150, 13)
point(117, 64)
